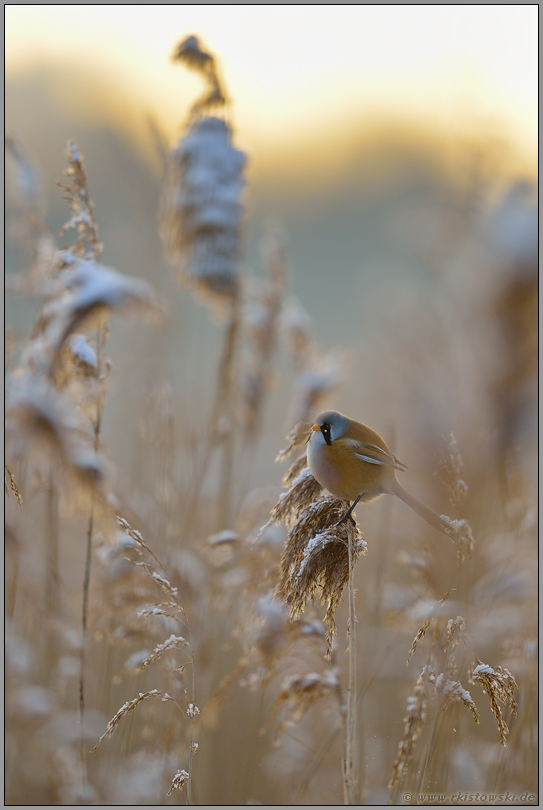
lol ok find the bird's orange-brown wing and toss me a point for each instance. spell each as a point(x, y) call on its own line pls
point(373, 454)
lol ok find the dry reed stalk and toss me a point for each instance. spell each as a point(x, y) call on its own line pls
point(439, 687)
point(88, 247)
point(56, 395)
point(444, 633)
point(351, 783)
point(263, 306)
point(52, 578)
point(499, 685)
point(127, 708)
point(144, 558)
point(318, 373)
point(296, 438)
point(13, 486)
point(262, 625)
point(414, 720)
point(24, 191)
point(224, 416)
point(261, 328)
point(300, 692)
point(317, 563)
point(457, 489)
point(201, 232)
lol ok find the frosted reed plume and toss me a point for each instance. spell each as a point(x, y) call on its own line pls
point(201, 227)
point(201, 207)
point(54, 396)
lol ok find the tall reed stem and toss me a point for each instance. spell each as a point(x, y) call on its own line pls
point(100, 340)
point(350, 776)
point(223, 409)
point(52, 574)
point(191, 732)
point(83, 652)
point(225, 401)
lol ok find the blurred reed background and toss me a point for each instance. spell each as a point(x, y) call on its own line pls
point(386, 267)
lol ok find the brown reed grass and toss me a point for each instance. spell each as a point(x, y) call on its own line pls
point(231, 626)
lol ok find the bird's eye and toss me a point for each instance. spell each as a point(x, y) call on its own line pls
point(325, 430)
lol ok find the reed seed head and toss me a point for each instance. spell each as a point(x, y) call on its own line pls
point(178, 781)
point(499, 685)
point(201, 208)
point(315, 561)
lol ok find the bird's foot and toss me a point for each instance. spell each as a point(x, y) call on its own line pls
point(344, 518)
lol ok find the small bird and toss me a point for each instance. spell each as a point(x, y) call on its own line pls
point(353, 463)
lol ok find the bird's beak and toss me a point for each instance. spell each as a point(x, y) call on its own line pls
point(325, 433)
point(315, 427)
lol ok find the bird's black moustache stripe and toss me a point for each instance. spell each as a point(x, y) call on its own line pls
point(325, 430)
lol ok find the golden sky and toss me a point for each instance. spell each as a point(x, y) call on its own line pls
point(299, 68)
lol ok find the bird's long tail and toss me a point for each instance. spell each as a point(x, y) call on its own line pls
point(421, 509)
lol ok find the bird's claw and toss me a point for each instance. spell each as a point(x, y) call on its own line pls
point(344, 518)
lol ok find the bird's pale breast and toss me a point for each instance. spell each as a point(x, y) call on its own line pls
point(342, 473)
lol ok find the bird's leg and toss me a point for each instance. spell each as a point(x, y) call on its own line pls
point(348, 515)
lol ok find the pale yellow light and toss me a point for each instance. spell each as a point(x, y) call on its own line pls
point(291, 68)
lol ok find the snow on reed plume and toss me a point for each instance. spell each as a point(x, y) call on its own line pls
point(201, 208)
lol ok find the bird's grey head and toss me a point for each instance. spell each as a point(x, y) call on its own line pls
point(333, 425)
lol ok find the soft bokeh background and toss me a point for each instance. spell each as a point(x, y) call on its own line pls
point(397, 147)
point(363, 126)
